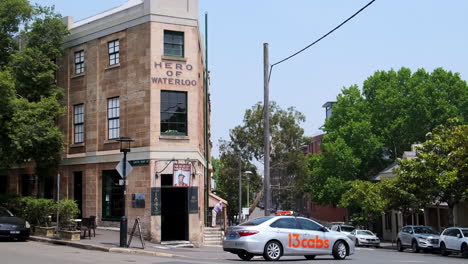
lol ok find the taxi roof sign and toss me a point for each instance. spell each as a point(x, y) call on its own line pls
point(285, 213)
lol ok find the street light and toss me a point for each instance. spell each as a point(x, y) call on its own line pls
point(248, 187)
point(123, 219)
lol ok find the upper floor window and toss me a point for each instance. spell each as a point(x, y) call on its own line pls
point(79, 62)
point(113, 117)
point(174, 113)
point(114, 52)
point(78, 121)
point(173, 43)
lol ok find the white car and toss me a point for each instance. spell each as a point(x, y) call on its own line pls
point(365, 238)
point(276, 236)
point(345, 229)
point(454, 239)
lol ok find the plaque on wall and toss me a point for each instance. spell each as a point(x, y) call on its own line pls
point(138, 200)
point(155, 201)
point(193, 200)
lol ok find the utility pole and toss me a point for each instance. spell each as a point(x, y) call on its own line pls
point(123, 219)
point(240, 188)
point(266, 129)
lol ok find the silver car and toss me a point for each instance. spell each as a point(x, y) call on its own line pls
point(276, 236)
point(365, 238)
point(417, 238)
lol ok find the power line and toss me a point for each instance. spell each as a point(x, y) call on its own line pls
point(321, 38)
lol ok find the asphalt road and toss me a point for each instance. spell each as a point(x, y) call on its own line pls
point(41, 253)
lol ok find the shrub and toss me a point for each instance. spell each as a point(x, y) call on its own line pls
point(37, 211)
point(68, 210)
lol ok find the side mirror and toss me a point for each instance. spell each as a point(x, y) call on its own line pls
point(459, 235)
point(411, 232)
point(324, 229)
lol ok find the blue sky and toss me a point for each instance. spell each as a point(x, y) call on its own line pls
point(389, 34)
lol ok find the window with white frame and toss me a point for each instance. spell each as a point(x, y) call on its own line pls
point(78, 121)
point(79, 62)
point(113, 117)
point(114, 52)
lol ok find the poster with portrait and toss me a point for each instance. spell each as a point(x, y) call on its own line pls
point(182, 174)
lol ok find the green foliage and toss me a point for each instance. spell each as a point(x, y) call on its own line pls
point(367, 131)
point(37, 211)
point(441, 165)
point(12, 14)
point(68, 210)
point(31, 99)
point(364, 197)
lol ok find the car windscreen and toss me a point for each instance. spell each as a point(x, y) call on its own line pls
point(4, 212)
point(365, 233)
point(465, 232)
point(424, 230)
point(256, 221)
point(347, 228)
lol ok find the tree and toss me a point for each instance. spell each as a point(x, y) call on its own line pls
point(368, 130)
point(288, 168)
point(441, 165)
point(28, 120)
point(364, 197)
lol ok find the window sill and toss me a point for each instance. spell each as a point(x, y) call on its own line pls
point(110, 141)
point(171, 58)
point(77, 145)
point(110, 67)
point(78, 75)
point(173, 137)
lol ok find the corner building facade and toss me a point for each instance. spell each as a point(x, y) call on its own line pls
point(137, 71)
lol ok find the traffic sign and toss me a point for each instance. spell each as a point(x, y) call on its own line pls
point(128, 168)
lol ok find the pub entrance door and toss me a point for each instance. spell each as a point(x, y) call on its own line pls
point(174, 213)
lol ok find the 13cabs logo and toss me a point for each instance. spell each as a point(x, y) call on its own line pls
point(295, 241)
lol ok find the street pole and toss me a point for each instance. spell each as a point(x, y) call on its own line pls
point(58, 211)
point(240, 188)
point(124, 220)
point(266, 129)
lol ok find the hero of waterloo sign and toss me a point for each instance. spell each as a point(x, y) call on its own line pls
point(173, 74)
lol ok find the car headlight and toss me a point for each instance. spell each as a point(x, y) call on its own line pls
point(423, 240)
point(27, 225)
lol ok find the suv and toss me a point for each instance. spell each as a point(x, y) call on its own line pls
point(417, 238)
point(454, 239)
point(345, 229)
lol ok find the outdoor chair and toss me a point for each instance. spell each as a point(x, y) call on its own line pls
point(88, 224)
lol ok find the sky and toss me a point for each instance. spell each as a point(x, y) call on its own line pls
point(390, 34)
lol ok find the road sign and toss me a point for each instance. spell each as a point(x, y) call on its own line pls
point(121, 182)
point(128, 168)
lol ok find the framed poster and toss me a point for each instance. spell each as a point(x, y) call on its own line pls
point(181, 177)
point(155, 201)
point(193, 200)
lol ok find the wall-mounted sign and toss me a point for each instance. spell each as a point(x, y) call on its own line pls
point(193, 200)
point(155, 201)
point(138, 200)
point(181, 176)
point(173, 74)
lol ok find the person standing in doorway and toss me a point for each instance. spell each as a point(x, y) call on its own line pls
point(217, 209)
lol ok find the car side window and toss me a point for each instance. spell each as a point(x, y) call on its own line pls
point(308, 225)
point(405, 230)
point(285, 223)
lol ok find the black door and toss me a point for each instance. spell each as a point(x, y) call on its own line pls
point(112, 196)
point(174, 214)
point(78, 190)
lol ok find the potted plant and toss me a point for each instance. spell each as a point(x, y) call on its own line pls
point(37, 212)
point(68, 211)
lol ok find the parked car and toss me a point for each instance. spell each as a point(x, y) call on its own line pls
point(345, 229)
point(13, 227)
point(417, 238)
point(454, 239)
point(276, 236)
point(365, 238)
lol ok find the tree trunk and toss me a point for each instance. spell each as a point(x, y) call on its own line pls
point(450, 214)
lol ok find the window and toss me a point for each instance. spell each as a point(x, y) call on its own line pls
point(114, 55)
point(289, 223)
point(388, 221)
point(113, 117)
point(308, 225)
point(174, 113)
point(79, 62)
point(173, 43)
point(78, 121)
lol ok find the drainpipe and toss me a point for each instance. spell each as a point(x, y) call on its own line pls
point(206, 123)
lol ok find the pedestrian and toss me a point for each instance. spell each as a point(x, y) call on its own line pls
point(217, 209)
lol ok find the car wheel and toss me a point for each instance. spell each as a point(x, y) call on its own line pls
point(464, 251)
point(310, 257)
point(273, 251)
point(357, 242)
point(339, 250)
point(415, 246)
point(245, 256)
point(443, 249)
point(377, 246)
point(399, 245)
